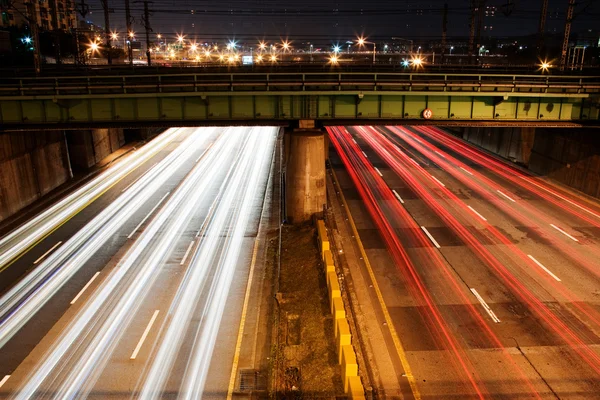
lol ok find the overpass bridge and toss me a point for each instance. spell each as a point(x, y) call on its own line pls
point(63, 102)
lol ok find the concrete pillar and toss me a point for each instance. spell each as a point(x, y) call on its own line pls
point(527, 139)
point(305, 175)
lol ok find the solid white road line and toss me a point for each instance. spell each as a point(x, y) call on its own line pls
point(187, 253)
point(85, 287)
point(564, 233)
point(365, 154)
point(398, 196)
point(146, 217)
point(511, 199)
point(46, 253)
point(485, 306)
point(443, 156)
point(139, 177)
point(436, 244)
point(544, 268)
point(561, 197)
point(144, 335)
point(378, 171)
point(3, 381)
point(467, 171)
point(438, 181)
point(416, 163)
point(480, 216)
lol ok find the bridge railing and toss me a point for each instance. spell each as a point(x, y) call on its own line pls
point(172, 84)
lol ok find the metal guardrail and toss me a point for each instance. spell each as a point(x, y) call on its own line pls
point(326, 82)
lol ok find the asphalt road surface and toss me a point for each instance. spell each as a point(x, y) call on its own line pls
point(133, 285)
point(490, 276)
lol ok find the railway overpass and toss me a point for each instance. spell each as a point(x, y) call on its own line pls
point(283, 98)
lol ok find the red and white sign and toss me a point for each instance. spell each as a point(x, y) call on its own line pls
point(427, 113)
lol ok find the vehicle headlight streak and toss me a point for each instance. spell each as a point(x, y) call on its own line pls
point(241, 196)
point(19, 240)
point(176, 210)
point(93, 335)
point(19, 304)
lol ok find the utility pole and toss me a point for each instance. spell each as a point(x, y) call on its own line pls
point(56, 32)
point(542, 27)
point(472, 29)
point(35, 36)
point(82, 9)
point(480, 24)
point(444, 30)
point(148, 29)
point(128, 21)
point(565, 46)
point(107, 31)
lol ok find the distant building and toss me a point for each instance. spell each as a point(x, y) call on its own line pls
point(17, 15)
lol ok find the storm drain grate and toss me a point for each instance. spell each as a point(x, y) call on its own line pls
point(251, 380)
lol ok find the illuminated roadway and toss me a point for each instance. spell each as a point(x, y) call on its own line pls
point(140, 293)
point(490, 276)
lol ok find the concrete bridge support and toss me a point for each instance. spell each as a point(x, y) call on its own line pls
point(305, 174)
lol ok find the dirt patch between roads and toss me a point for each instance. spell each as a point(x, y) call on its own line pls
point(306, 360)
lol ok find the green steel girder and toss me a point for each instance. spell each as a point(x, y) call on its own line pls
point(248, 108)
point(252, 98)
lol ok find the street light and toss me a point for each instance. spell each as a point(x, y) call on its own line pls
point(361, 42)
point(180, 38)
point(273, 58)
point(131, 35)
point(333, 60)
point(417, 62)
point(336, 49)
point(262, 45)
point(114, 36)
point(451, 48)
point(27, 39)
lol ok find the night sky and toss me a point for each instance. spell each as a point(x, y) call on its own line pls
point(341, 20)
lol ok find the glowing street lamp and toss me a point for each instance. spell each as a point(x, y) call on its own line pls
point(132, 34)
point(207, 53)
point(273, 58)
point(545, 66)
point(114, 36)
point(262, 46)
point(259, 58)
point(417, 62)
point(336, 49)
point(194, 47)
point(26, 40)
point(180, 39)
point(361, 42)
point(333, 60)
point(285, 45)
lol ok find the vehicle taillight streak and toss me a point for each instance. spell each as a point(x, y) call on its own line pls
point(401, 164)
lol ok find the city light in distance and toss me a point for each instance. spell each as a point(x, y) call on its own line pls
point(114, 35)
point(131, 35)
point(273, 58)
point(336, 49)
point(262, 45)
point(207, 53)
point(417, 62)
point(27, 39)
point(194, 47)
point(285, 45)
point(180, 38)
point(259, 58)
point(333, 60)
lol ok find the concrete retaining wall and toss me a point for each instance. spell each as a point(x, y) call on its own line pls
point(31, 165)
point(569, 156)
point(511, 143)
point(34, 163)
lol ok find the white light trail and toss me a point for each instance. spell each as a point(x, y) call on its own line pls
point(232, 216)
point(147, 216)
point(3, 381)
point(17, 241)
point(24, 299)
point(169, 222)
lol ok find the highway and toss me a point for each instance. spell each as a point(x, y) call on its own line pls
point(134, 284)
point(490, 277)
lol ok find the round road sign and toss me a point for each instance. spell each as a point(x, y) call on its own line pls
point(427, 113)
